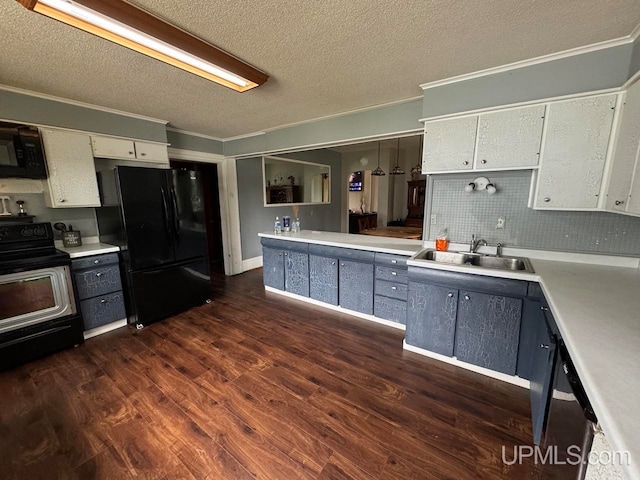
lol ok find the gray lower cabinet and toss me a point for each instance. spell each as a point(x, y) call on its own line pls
point(99, 288)
point(431, 317)
point(323, 279)
point(356, 286)
point(273, 267)
point(488, 331)
point(296, 272)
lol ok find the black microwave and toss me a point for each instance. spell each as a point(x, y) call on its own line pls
point(21, 153)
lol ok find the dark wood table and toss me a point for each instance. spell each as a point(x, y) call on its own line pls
point(413, 233)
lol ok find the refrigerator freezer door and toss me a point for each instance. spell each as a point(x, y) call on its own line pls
point(187, 204)
point(170, 290)
point(146, 209)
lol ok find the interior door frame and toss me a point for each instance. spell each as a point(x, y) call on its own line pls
point(229, 209)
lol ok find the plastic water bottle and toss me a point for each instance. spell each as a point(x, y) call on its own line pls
point(295, 228)
point(277, 226)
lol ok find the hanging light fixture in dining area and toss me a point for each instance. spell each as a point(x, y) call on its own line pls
point(397, 170)
point(378, 172)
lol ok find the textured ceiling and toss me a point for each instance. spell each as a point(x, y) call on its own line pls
point(324, 57)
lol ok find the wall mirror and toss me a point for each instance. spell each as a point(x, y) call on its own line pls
point(289, 182)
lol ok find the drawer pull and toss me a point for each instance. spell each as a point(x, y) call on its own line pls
point(104, 300)
point(467, 297)
point(394, 288)
point(450, 295)
point(395, 274)
point(96, 262)
point(394, 261)
point(333, 263)
point(542, 345)
point(99, 274)
point(342, 264)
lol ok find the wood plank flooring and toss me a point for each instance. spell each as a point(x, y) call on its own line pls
point(255, 385)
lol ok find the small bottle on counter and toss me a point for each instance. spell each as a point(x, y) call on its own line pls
point(295, 227)
point(442, 241)
point(286, 223)
point(277, 226)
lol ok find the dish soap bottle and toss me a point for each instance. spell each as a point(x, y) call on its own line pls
point(442, 241)
point(277, 226)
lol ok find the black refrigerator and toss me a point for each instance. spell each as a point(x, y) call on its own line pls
point(157, 218)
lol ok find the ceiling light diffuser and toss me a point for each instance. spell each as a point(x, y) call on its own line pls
point(131, 27)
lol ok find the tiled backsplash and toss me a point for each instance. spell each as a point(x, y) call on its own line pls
point(82, 219)
point(464, 214)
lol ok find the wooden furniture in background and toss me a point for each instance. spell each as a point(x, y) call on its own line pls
point(414, 233)
point(283, 194)
point(362, 221)
point(415, 203)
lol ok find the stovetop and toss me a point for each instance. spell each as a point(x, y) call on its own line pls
point(29, 247)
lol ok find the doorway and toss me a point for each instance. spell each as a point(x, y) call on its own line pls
point(213, 220)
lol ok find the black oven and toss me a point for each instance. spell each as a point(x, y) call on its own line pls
point(21, 153)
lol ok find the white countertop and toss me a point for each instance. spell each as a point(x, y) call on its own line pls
point(88, 249)
point(596, 307)
point(398, 246)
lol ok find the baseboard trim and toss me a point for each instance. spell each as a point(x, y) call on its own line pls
point(94, 332)
point(335, 308)
point(514, 380)
point(251, 263)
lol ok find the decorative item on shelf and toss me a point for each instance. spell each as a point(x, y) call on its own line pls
point(21, 212)
point(292, 179)
point(397, 170)
point(481, 183)
point(5, 208)
point(417, 170)
point(378, 172)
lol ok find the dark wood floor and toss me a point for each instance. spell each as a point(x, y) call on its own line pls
point(256, 386)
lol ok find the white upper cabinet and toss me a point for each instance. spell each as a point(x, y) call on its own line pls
point(109, 147)
point(625, 157)
point(449, 144)
point(124, 149)
point(574, 153)
point(510, 139)
point(72, 177)
point(152, 152)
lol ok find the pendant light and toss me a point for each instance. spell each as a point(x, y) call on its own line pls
point(378, 172)
point(397, 170)
point(417, 170)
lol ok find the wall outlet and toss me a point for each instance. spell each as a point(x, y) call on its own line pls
point(501, 222)
point(434, 219)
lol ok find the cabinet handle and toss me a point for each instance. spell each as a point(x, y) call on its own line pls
point(450, 295)
point(465, 163)
point(483, 161)
point(542, 345)
point(62, 200)
point(547, 199)
point(395, 274)
point(286, 254)
point(544, 309)
point(394, 261)
point(619, 202)
point(99, 274)
point(333, 263)
point(96, 262)
point(104, 300)
point(394, 288)
point(467, 297)
point(143, 154)
point(130, 153)
point(342, 264)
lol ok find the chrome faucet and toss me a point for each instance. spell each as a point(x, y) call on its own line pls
point(474, 244)
point(499, 250)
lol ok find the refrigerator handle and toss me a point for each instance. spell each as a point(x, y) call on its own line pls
point(165, 211)
point(176, 220)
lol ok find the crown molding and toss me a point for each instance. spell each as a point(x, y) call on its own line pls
point(536, 60)
point(244, 135)
point(195, 134)
point(76, 103)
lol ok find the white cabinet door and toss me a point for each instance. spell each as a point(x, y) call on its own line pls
point(151, 152)
point(449, 144)
point(574, 153)
point(107, 147)
point(633, 204)
point(510, 139)
point(626, 155)
point(72, 175)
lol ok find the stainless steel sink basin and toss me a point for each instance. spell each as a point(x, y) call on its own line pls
point(477, 260)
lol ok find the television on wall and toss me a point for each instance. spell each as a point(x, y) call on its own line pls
point(355, 182)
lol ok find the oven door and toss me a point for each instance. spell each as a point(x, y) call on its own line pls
point(35, 296)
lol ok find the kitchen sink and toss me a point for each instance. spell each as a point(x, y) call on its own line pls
point(475, 259)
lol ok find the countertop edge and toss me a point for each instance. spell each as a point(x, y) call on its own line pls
point(90, 249)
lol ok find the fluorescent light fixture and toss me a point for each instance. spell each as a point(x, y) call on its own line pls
point(129, 26)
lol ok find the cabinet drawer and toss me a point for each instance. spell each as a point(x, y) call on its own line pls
point(397, 275)
point(391, 289)
point(102, 310)
point(97, 281)
point(95, 260)
point(390, 309)
point(342, 253)
point(389, 260)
